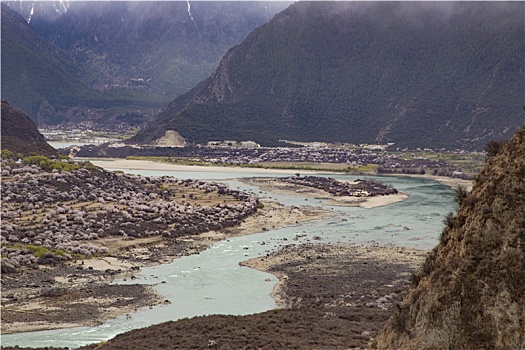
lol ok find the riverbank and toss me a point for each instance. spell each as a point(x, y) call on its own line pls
point(131, 164)
point(86, 293)
point(320, 257)
point(452, 182)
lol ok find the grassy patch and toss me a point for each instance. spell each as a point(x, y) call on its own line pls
point(38, 251)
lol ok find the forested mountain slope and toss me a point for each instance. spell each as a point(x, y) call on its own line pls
point(40, 80)
point(416, 74)
point(470, 293)
point(34, 74)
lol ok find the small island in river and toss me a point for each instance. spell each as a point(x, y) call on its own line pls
point(363, 193)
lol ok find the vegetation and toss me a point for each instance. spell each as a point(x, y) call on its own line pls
point(50, 165)
point(69, 207)
point(38, 79)
point(39, 251)
point(264, 165)
point(493, 147)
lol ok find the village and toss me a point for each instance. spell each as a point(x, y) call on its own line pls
point(370, 159)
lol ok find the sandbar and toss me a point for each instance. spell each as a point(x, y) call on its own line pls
point(133, 164)
point(57, 295)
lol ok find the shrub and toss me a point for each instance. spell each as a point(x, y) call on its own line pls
point(7, 154)
point(38, 251)
point(450, 220)
point(460, 194)
point(493, 148)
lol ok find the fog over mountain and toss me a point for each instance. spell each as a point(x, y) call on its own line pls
point(417, 74)
point(48, 10)
point(160, 46)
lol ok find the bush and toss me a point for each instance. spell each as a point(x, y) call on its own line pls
point(460, 194)
point(493, 148)
point(7, 154)
point(450, 220)
point(50, 165)
point(38, 251)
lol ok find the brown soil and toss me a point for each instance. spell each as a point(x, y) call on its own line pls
point(333, 297)
point(470, 293)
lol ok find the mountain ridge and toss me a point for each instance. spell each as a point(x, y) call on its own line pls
point(170, 45)
point(40, 80)
point(104, 61)
point(434, 76)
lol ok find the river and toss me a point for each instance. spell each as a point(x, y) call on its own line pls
point(212, 282)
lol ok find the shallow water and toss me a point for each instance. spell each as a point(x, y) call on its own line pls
point(212, 282)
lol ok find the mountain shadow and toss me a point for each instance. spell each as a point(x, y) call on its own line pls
point(40, 80)
point(164, 47)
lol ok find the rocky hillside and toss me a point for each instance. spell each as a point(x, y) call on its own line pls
point(416, 74)
point(20, 134)
point(470, 293)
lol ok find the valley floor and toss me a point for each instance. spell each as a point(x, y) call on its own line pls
point(80, 293)
point(346, 292)
point(133, 164)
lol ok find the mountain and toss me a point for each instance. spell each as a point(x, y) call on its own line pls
point(40, 80)
point(470, 293)
point(115, 62)
point(419, 74)
point(20, 134)
point(163, 47)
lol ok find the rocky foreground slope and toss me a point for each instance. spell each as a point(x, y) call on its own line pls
point(470, 293)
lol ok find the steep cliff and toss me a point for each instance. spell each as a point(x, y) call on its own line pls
point(470, 293)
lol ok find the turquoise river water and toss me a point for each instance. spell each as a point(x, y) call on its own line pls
point(212, 282)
